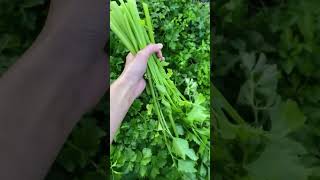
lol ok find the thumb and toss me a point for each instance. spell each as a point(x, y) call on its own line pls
point(144, 54)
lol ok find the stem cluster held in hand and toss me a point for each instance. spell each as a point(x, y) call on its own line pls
point(170, 106)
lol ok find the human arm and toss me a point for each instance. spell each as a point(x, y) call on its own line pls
point(129, 85)
point(60, 77)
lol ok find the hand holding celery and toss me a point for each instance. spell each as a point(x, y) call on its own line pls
point(129, 85)
point(173, 110)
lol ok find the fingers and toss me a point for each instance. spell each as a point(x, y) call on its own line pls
point(129, 60)
point(160, 56)
point(145, 53)
point(138, 63)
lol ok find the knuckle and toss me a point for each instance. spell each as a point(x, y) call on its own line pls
point(128, 56)
point(142, 54)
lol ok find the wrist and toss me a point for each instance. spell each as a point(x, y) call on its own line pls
point(121, 98)
point(123, 87)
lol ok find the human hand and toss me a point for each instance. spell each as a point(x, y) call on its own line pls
point(129, 85)
point(136, 67)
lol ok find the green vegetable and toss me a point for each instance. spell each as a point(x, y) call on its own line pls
point(267, 67)
point(183, 123)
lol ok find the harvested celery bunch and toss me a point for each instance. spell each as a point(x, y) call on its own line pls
point(184, 124)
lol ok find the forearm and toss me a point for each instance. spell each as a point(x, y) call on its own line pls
point(129, 85)
point(121, 98)
point(42, 97)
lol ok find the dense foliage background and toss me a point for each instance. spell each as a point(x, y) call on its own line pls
point(83, 156)
point(138, 150)
point(267, 65)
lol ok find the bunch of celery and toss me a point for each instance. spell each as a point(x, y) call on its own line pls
point(136, 33)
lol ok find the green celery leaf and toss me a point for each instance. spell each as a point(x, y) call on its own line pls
point(198, 113)
point(147, 154)
point(186, 166)
point(286, 118)
point(181, 148)
point(279, 160)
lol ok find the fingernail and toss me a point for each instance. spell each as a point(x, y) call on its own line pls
point(160, 45)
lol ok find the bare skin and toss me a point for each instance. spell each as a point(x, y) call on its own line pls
point(59, 78)
point(129, 85)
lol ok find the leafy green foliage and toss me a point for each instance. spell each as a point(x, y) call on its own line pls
point(184, 31)
point(267, 67)
point(83, 156)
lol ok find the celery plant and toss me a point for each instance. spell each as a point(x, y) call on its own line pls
point(136, 33)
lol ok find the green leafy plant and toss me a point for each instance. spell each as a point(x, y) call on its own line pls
point(179, 127)
point(266, 53)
